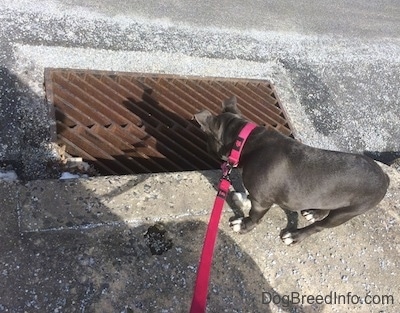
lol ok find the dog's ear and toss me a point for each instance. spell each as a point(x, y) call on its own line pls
point(204, 118)
point(230, 105)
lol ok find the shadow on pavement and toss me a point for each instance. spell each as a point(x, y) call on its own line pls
point(386, 157)
point(24, 129)
point(109, 267)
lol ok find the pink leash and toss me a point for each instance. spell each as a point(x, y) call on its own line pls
point(199, 299)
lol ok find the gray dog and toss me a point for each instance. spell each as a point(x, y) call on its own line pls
point(327, 187)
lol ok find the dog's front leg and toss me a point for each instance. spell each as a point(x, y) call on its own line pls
point(241, 200)
point(256, 213)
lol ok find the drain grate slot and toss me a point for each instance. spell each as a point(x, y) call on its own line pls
point(126, 123)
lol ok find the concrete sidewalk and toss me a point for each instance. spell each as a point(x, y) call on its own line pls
point(86, 245)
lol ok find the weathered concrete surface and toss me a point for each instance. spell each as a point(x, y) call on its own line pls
point(109, 200)
point(9, 222)
point(80, 246)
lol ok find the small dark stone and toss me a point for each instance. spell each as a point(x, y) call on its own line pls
point(157, 239)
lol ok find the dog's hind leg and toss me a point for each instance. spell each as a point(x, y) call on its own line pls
point(256, 213)
point(333, 219)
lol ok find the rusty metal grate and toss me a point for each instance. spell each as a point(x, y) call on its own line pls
point(128, 123)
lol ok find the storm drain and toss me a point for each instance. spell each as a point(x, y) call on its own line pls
point(126, 123)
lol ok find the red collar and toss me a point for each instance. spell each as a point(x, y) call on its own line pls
point(234, 156)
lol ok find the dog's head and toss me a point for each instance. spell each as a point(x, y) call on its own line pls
point(222, 129)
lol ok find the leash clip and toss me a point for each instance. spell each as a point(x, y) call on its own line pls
point(226, 170)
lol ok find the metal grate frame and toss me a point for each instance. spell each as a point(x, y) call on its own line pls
point(127, 123)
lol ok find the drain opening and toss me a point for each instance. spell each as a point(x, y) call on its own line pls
point(124, 123)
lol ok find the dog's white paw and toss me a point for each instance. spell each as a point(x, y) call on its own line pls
point(241, 200)
point(237, 225)
point(287, 238)
point(309, 216)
